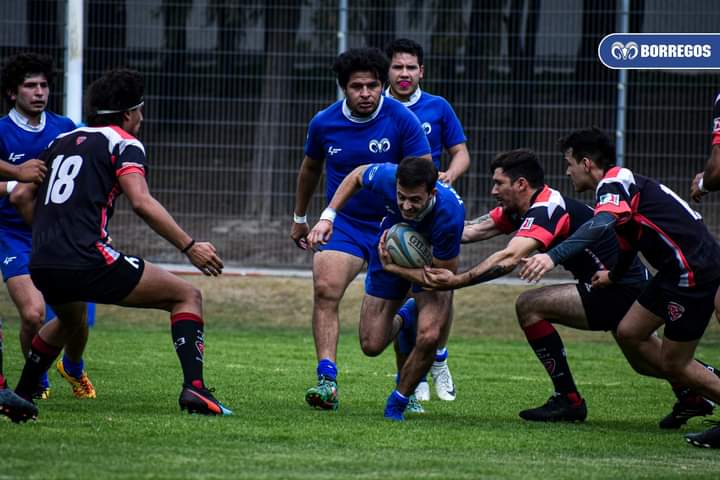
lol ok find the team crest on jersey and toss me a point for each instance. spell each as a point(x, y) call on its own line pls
point(379, 146)
point(527, 224)
point(427, 128)
point(333, 150)
point(716, 125)
point(80, 139)
point(14, 157)
point(609, 198)
point(675, 311)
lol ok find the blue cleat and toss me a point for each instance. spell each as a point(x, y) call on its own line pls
point(395, 406)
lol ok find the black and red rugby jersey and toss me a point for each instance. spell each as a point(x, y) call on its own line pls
point(75, 202)
point(657, 222)
point(552, 218)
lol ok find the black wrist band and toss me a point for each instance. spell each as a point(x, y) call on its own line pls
point(189, 246)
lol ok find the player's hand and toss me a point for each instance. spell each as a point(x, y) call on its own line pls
point(383, 254)
point(320, 234)
point(535, 267)
point(446, 178)
point(601, 279)
point(438, 278)
point(203, 255)
point(32, 171)
point(695, 193)
point(298, 233)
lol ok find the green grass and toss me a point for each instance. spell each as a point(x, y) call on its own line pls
point(260, 357)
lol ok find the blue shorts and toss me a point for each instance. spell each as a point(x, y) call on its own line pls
point(15, 248)
point(382, 284)
point(356, 237)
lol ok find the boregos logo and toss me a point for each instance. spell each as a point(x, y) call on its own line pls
point(379, 146)
point(624, 52)
point(660, 51)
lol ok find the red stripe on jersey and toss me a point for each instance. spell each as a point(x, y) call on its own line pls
point(537, 233)
point(502, 222)
point(544, 195)
point(105, 252)
point(103, 212)
point(122, 132)
point(612, 173)
point(128, 169)
point(671, 243)
point(716, 138)
point(623, 212)
point(562, 229)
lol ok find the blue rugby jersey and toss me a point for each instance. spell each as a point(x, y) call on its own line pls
point(345, 142)
point(20, 142)
point(442, 224)
point(439, 121)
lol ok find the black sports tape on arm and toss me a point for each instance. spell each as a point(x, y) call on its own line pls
point(588, 233)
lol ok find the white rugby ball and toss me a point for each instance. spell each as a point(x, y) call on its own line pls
point(407, 247)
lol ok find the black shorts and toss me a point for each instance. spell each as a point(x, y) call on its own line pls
point(686, 311)
point(606, 307)
point(108, 284)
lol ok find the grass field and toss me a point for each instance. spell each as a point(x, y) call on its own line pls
point(260, 357)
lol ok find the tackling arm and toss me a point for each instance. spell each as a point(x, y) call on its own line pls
point(496, 265)
point(200, 254)
point(481, 228)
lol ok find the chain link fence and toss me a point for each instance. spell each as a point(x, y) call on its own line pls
point(232, 85)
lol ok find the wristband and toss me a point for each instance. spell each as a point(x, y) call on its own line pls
point(298, 219)
point(11, 185)
point(188, 247)
point(701, 185)
point(328, 214)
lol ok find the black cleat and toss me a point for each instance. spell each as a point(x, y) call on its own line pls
point(684, 410)
point(15, 407)
point(557, 409)
point(707, 439)
point(202, 401)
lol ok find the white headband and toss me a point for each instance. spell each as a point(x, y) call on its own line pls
point(106, 112)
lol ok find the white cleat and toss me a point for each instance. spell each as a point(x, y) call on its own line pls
point(444, 386)
point(422, 392)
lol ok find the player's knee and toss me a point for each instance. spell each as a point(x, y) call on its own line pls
point(32, 317)
point(371, 346)
point(428, 339)
point(525, 309)
point(326, 292)
point(627, 335)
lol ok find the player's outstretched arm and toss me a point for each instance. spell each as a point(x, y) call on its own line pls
point(496, 265)
point(708, 180)
point(32, 171)
point(307, 181)
point(478, 229)
point(459, 163)
point(200, 254)
point(322, 231)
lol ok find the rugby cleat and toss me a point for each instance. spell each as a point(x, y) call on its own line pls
point(42, 392)
point(15, 407)
point(395, 407)
point(684, 410)
point(707, 439)
point(324, 395)
point(444, 386)
point(414, 406)
point(82, 387)
point(202, 401)
point(557, 409)
point(422, 391)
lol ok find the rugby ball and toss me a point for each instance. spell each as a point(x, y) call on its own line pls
point(407, 247)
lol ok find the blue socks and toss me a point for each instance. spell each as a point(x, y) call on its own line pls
point(441, 354)
point(395, 406)
point(408, 331)
point(75, 369)
point(327, 368)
